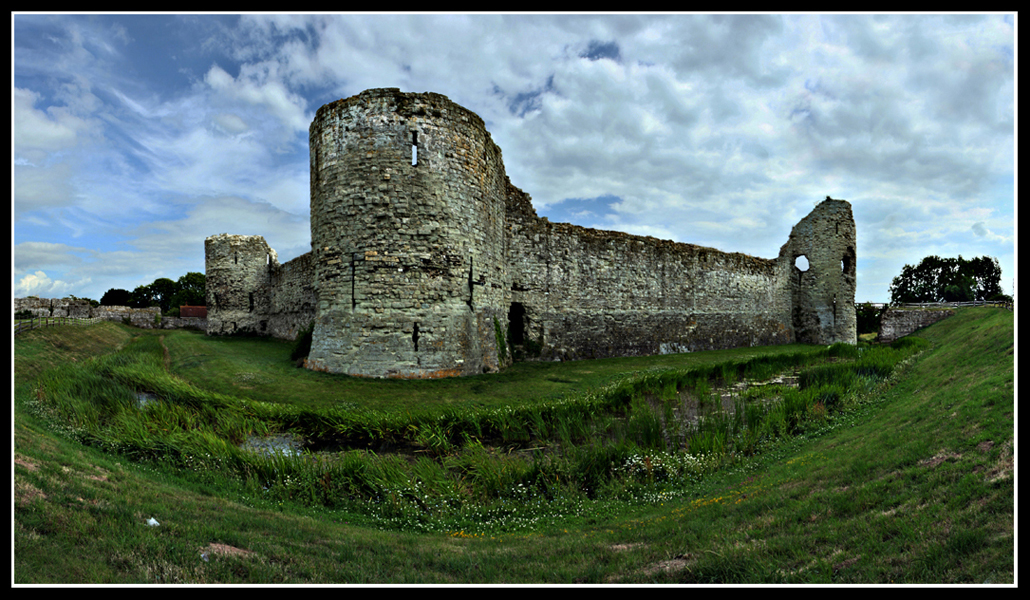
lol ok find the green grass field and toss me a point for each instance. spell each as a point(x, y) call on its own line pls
point(890, 466)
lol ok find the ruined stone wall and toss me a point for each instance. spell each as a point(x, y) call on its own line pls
point(39, 307)
point(427, 262)
point(293, 299)
point(144, 318)
point(824, 293)
point(78, 308)
point(238, 284)
point(899, 322)
point(584, 293)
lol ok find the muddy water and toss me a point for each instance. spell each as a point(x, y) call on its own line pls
point(687, 412)
point(285, 445)
point(690, 409)
point(143, 399)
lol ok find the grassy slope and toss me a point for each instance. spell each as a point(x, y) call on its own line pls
point(919, 489)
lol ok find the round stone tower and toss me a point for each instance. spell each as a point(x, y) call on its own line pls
point(407, 229)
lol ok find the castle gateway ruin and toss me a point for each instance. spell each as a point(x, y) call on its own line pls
point(427, 262)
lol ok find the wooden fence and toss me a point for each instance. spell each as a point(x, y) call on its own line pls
point(21, 325)
point(1007, 305)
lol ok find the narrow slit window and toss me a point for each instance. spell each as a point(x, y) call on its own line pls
point(414, 148)
point(353, 278)
point(414, 336)
point(470, 286)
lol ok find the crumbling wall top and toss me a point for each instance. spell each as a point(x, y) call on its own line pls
point(429, 104)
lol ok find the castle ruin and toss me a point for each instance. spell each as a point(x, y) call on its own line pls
point(427, 262)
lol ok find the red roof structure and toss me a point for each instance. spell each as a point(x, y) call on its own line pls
point(193, 311)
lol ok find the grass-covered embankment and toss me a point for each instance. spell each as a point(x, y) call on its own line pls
point(753, 521)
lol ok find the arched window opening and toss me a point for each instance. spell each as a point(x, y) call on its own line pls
point(847, 262)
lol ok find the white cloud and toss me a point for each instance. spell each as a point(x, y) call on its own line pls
point(289, 234)
point(722, 129)
point(38, 132)
point(980, 230)
point(231, 124)
point(260, 85)
point(38, 284)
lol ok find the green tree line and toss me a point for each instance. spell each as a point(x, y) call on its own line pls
point(937, 279)
point(163, 292)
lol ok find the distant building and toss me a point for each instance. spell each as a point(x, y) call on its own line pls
point(199, 312)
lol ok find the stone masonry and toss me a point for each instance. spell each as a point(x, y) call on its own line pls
point(80, 308)
point(898, 322)
point(427, 262)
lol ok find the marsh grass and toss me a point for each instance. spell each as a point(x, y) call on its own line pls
point(454, 457)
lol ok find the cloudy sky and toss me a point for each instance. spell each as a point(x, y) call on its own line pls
point(137, 136)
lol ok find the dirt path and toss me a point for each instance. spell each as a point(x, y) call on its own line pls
point(168, 355)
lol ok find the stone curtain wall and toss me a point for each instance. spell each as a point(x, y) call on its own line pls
point(197, 323)
point(54, 307)
point(585, 293)
point(249, 292)
point(39, 307)
point(899, 322)
point(292, 306)
point(145, 318)
point(427, 262)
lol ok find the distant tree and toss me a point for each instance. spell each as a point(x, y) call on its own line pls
point(986, 272)
point(191, 290)
point(960, 291)
point(867, 318)
point(937, 279)
point(142, 297)
point(163, 290)
point(168, 294)
point(116, 297)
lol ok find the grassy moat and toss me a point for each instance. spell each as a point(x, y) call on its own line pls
point(785, 464)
